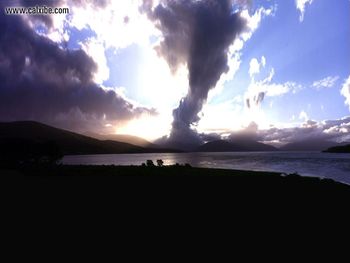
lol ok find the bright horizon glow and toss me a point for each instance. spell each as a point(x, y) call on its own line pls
point(147, 127)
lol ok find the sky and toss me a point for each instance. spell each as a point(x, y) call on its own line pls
point(181, 71)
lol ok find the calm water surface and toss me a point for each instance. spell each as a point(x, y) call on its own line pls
point(327, 165)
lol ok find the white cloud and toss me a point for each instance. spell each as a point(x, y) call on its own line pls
point(303, 116)
point(263, 61)
point(110, 25)
point(254, 67)
point(327, 82)
point(233, 63)
point(96, 50)
point(253, 21)
point(275, 89)
point(345, 91)
point(301, 4)
point(258, 90)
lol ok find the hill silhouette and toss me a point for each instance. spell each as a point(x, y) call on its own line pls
point(308, 145)
point(339, 149)
point(70, 143)
point(237, 146)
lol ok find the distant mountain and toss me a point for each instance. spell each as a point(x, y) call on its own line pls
point(339, 149)
point(239, 146)
point(138, 141)
point(69, 142)
point(308, 145)
point(179, 145)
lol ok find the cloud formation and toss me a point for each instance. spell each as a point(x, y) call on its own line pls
point(301, 6)
point(345, 91)
point(329, 130)
point(42, 81)
point(309, 131)
point(104, 19)
point(197, 34)
point(327, 82)
point(303, 116)
point(48, 20)
point(258, 90)
point(255, 66)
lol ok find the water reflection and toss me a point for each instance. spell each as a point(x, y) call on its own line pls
point(335, 166)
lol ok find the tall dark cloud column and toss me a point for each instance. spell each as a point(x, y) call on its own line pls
point(196, 34)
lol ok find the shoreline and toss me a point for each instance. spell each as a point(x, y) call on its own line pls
point(238, 177)
point(307, 164)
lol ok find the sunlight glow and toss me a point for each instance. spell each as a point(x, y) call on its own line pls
point(147, 127)
point(231, 116)
point(158, 85)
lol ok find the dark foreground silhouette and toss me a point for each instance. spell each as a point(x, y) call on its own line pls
point(243, 181)
point(14, 134)
point(339, 149)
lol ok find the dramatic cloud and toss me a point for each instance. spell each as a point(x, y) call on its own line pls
point(197, 34)
point(111, 25)
point(345, 91)
point(301, 5)
point(308, 135)
point(253, 21)
point(331, 130)
point(309, 131)
point(42, 81)
point(209, 137)
point(327, 82)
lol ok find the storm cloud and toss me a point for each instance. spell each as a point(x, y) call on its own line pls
point(41, 81)
point(312, 131)
point(197, 34)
